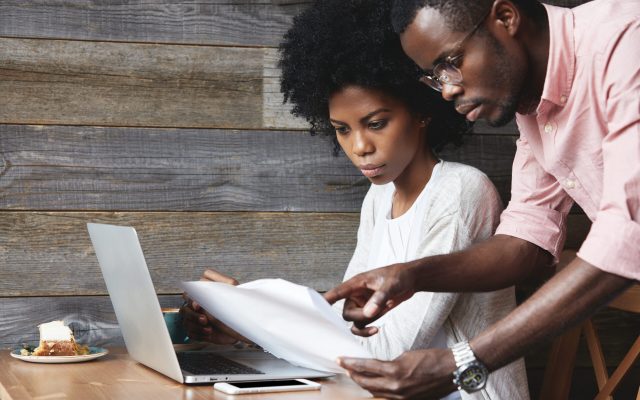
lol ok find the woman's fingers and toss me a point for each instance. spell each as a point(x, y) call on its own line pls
point(215, 276)
point(202, 325)
point(222, 329)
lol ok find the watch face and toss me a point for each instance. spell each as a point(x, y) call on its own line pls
point(473, 377)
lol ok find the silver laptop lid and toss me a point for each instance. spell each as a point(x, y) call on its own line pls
point(134, 298)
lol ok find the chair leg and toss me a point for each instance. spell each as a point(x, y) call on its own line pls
point(597, 356)
point(558, 374)
point(619, 373)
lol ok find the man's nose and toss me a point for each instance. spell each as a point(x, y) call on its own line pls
point(449, 92)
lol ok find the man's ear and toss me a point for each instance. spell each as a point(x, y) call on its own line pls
point(506, 16)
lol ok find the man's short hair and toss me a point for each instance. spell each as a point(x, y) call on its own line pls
point(461, 15)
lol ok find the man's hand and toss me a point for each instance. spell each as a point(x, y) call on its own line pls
point(424, 374)
point(372, 294)
point(201, 325)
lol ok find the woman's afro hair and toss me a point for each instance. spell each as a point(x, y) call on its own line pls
point(337, 43)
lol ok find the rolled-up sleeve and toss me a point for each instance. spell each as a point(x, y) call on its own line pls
point(613, 243)
point(539, 206)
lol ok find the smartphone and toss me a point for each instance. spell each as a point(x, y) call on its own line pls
point(289, 385)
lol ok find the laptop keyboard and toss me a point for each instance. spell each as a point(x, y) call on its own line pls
point(203, 363)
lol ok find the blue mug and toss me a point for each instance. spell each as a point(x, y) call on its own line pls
point(173, 320)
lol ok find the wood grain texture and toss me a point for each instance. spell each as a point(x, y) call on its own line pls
point(617, 331)
point(492, 154)
point(118, 377)
point(93, 168)
point(122, 84)
point(91, 318)
point(50, 254)
point(236, 22)
point(482, 128)
point(69, 82)
point(45, 254)
point(90, 168)
point(276, 113)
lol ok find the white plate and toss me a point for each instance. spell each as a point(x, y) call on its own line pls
point(94, 352)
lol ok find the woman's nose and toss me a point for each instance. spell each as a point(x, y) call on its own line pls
point(361, 144)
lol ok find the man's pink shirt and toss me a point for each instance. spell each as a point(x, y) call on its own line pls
point(583, 142)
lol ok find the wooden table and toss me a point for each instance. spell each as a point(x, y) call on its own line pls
point(116, 376)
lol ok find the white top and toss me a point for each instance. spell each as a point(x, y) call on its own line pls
point(393, 245)
point(459, 206)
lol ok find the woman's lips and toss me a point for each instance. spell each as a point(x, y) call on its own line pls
point(371, 170)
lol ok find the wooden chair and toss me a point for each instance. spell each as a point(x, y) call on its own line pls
point(557, 378)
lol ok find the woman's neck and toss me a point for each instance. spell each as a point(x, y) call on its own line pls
point(411, 182)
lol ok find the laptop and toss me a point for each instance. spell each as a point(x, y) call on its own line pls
point(146, 335)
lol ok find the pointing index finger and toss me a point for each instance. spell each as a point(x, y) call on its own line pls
point(342, 291)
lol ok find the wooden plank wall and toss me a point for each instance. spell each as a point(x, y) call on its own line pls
point(167, 116)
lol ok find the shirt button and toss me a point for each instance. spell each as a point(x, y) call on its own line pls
point(570, 184)
point(548, 128)
point(563, 99)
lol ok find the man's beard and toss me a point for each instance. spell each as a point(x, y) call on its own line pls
point(506, 77)
point(507, 109)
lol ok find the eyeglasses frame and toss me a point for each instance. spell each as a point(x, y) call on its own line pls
point(430, 79)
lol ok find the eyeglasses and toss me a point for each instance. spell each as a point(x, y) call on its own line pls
point(447, 71)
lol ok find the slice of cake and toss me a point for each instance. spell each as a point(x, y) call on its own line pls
point(56, 339)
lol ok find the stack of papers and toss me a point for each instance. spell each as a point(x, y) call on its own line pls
point(290, 321)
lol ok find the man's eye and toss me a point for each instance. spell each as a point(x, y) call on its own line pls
point(455, 61)
point(377, 125)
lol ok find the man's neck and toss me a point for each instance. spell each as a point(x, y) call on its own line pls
point(535, 38)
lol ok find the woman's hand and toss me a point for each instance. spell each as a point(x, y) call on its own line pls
point(203, 326)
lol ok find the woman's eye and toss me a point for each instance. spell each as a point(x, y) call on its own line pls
point(376, 125)
point(341, 129)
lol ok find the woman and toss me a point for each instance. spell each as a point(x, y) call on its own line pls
point(344, 71)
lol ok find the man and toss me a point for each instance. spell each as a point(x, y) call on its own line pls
point(573, 78)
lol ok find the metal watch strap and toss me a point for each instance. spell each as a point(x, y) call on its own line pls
point(470, 375)
point(462, 353)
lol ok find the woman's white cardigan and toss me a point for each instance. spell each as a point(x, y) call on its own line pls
point(462, 208)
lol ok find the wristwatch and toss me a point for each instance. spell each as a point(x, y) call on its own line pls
point(470, 375)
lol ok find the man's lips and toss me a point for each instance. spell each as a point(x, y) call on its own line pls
point(371, 170)
point(466, 108)
point(471, 111)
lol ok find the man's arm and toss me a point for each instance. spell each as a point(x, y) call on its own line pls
point(494, 264)
point(565, 300)
point(499, 262)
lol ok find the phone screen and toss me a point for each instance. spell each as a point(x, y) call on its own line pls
point(290, 382)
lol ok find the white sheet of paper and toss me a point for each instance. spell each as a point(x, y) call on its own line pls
point(290, 321)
